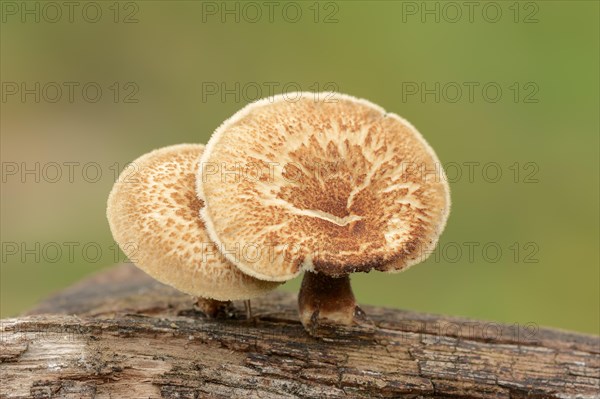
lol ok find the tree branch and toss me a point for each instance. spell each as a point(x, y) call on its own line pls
point(120, 334)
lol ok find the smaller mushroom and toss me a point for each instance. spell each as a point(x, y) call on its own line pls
point(153, 213)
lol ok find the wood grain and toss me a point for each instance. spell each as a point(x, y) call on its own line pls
point(120, 334)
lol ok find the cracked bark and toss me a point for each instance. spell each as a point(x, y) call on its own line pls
point(120, 334)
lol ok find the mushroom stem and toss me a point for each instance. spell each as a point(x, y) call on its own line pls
point(248, 307)
point(213, 308)
point(328, 301)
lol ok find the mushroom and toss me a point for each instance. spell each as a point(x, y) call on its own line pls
point(153, 213)
point(324, 183)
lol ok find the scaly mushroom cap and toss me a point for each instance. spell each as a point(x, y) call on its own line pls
point(153, 212)
point(323, 182)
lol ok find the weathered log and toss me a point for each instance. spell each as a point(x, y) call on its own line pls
point(120, 334)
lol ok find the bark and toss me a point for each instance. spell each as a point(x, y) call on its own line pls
point(122, 335)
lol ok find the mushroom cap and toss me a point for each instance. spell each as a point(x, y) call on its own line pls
point(153, 213)
point(325, 182)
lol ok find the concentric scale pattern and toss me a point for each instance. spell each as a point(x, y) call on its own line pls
point(321, 182)
point(153, 212)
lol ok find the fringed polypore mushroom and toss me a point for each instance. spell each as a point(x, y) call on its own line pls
point(153, 212)
point(323, 183)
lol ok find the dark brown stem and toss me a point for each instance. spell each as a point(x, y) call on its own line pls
point(328, 302)
point(213, 308)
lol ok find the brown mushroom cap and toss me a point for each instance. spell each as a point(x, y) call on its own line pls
point(321, 182)
point(153, 212)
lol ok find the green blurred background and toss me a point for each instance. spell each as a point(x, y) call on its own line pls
point(547, 130)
